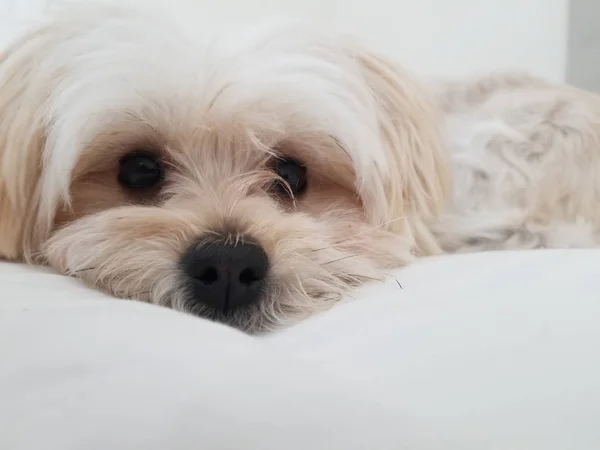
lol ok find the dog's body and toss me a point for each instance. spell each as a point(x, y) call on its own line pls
point(256, 178)
point(526, 160)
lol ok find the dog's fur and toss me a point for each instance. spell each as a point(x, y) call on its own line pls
point(83, 90)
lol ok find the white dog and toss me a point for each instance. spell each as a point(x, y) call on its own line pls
point(254, 177)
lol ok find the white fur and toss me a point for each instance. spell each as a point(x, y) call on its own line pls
point(526, 163)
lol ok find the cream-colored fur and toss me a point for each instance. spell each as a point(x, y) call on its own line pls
point(95, 84)
point(526, 162)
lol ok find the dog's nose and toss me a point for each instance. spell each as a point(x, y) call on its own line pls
point(226, 276)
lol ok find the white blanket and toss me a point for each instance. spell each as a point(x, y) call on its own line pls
point(483, 352)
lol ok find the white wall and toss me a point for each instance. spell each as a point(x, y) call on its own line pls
point(432, 37)
point(457, 37)
point(438, 37)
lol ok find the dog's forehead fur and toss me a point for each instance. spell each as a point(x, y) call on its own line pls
point(282, 82)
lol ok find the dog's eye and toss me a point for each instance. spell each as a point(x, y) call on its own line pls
point(294, 175)
point(140, 170)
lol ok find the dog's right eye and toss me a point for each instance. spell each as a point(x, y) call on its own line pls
point(293, 175)
point(140, 170)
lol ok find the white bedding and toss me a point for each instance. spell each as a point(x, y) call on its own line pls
point(490, 351)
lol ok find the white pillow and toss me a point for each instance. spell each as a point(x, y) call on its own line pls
point(487, 351)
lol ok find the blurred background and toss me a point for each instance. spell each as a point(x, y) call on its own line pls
point(556, 39)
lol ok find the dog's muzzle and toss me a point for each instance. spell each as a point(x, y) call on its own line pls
point(225, 276)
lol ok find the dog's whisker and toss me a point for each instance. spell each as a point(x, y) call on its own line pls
point(340, 259)
point(339, 144)
point(323, 249)
point(364, 277)
point(87, 269)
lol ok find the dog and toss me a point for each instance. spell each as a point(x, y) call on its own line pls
point(256, 176)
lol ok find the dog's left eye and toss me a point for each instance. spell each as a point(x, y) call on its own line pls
point(294, 175)
point(140, 170)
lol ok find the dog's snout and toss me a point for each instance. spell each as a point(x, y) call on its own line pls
point(226, 276)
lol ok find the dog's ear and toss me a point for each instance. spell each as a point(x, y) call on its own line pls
point(21, 144)
point(417, 179)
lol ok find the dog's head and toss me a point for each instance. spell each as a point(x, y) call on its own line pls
point(249, 177)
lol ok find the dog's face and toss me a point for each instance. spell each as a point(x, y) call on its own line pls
point(252, 179)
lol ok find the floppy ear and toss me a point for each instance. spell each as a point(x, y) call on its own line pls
point(417, 179)
point(21, 144)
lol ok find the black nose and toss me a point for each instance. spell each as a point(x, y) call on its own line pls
point(226, 276)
